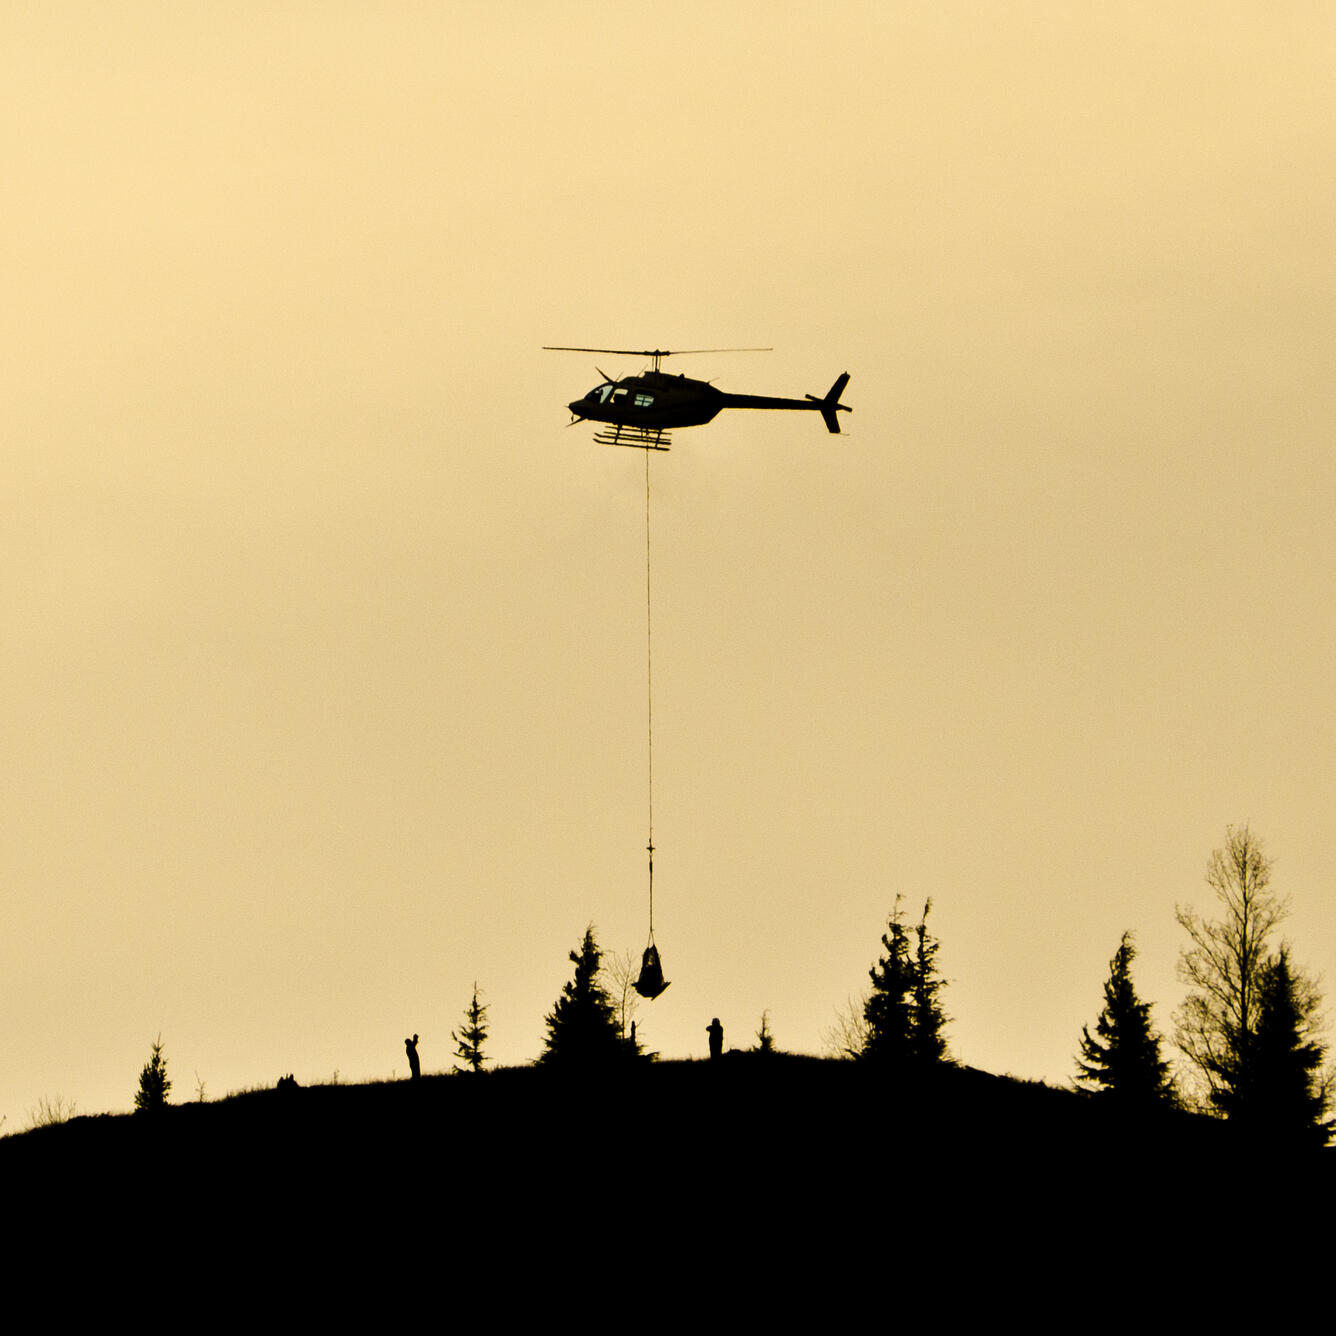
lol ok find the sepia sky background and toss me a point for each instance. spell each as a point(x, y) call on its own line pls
point(323, 642)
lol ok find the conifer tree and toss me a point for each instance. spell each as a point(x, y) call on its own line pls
point(471, 1036)
point(1122, 1057)
point(1286, 1093)
point(582, 1028)
point(887, 1007)
point(927, 1019)
point(902, 1016)
point(153, 1083)
point(765, 1038)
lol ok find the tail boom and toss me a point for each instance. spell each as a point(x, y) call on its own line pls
point(828, 407)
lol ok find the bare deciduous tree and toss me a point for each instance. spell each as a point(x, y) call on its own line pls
point(1226, 968)
point(847, 1036)
point(620, 971)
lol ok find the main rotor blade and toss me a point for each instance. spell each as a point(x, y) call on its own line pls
point(651, 352)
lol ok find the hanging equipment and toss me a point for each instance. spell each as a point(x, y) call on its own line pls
point(651, 981)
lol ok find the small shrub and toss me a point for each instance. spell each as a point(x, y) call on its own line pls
point(765, 1039)
point(51, 1112)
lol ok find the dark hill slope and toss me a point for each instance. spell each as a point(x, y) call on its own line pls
point(743, 1116)
point(528, 1188)
point(740, 1145)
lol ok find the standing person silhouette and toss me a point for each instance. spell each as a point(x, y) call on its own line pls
point(410, 1045)
point(716, 1033)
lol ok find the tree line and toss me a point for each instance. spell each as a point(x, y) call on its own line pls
point(1248, 1030)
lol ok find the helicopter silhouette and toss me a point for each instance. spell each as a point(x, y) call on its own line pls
point(639, 411)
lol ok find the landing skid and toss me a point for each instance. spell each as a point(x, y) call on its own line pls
point(638, 438)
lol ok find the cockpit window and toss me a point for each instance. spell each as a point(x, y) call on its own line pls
point(600, 392)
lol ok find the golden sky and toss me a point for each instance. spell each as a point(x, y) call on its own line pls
point(323, 641)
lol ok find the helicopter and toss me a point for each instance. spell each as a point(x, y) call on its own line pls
point(639, 411)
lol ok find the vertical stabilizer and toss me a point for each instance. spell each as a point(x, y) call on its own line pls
point(831, 403)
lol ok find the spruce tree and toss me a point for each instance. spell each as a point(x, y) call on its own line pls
point(765, 1038)
point(1122, 1057)
point(153, 1083)
point(1285, 1097)
point(927, 1019)
point(902, 1015)
point(472, 1035)
point(582, 1028)
point(888, 1011)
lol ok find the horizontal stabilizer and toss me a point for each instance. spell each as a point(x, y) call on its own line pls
point(831, 403)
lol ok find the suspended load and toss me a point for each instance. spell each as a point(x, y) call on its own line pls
point(651, 981)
